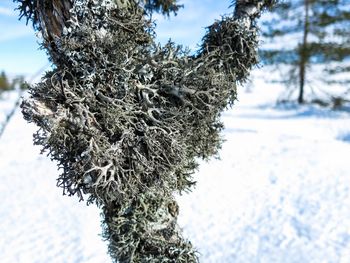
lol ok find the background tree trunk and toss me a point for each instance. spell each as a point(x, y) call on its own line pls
point(304, 54)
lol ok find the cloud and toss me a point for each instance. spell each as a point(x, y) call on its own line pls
point(6, 11)
point(15, 31)
point(11, 27)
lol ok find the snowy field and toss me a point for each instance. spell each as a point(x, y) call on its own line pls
point(279, 194)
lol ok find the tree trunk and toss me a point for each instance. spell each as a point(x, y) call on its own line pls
point(126, 118)
point(303, 53)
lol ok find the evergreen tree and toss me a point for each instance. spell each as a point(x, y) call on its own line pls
point(4, 83)
point(311, 34)
point(162, 6)
point(126, 118)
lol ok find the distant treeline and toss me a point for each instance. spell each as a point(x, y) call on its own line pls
point(7, 84)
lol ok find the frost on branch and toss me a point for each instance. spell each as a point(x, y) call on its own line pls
point(126, 118)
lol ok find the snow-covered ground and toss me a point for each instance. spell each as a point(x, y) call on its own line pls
point(279, 194)
point(37, 223)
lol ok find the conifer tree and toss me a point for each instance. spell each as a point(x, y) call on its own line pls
point(311, 33)
point(4, 82)
point(126, 118)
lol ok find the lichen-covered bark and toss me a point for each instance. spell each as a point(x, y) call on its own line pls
point(126, 118)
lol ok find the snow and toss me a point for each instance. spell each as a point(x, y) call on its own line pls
point(279, 194)
point(7, 100)
point(38, 224)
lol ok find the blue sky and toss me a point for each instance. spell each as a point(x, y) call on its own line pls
point(20, 52)
point(19, 48)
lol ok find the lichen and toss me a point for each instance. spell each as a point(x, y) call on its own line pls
point(126, 119)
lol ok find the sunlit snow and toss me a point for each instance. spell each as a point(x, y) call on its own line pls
point(279, 194)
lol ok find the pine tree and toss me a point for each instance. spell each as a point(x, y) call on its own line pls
point(311, 34)
point(4, 83)
point(162, 6)
point(126, 119)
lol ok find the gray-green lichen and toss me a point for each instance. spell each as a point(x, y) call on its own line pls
point(126, 118)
